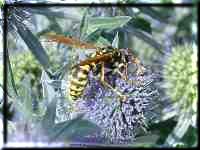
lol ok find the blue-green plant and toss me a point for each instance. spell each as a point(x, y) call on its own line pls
point(1, 3)
point(98, 25)
point(180, 75)
point(25, 63)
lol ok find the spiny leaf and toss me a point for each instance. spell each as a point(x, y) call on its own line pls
point(93, 37)
point(11, 76)
point(48, 120)
point(146, 141)
point(162, 17)
point(48, 91)
point(73, 129)
point(108, 23)
point(115, 42)
point(33, 44)
point(140, 23)
point(67, 130)
point(24, 100)
point(84, 24)
point(181, 128)
point(102, 42)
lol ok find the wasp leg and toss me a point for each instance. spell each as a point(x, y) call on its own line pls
point(131, 82)
point(126, 71)
point(140, 67)
point(123, 97)
point(123, 75)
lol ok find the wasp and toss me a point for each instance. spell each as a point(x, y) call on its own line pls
point(102, 58)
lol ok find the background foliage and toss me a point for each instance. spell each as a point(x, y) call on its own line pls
point(39, 69)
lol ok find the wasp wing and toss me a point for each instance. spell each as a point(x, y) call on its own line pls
point(73, 42)
point(96, 60)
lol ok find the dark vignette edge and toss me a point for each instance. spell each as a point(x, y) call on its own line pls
point(5, 8)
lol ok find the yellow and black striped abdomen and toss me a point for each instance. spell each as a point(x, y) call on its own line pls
point(79, 81)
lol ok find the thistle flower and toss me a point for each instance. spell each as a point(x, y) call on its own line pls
point(25, 66)
point(180, 84)
point(119, 120)
point(180, 74)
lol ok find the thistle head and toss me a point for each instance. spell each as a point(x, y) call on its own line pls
point(119, 120)
point(180, 75)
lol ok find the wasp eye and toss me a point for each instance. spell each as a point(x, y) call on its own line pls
point(104, 51)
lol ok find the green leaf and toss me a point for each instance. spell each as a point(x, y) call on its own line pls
point(170, 111)
point(84, 24)
point(102, 42)
point(93, 37)
point(33, 44)
point(162, 130)
point(107, 23)
point(161, 15)
point(68, 130)
point(11, 77)
point(47, 123)
point(1, 3)
point(72, 130)
point(48, 90)
point(183, 124)
point(184, 25)
point(124, 39)
point(191, 137)
point(166, 1)
point(146, 141)
point(141, 23)
point(24, 100)
point(53, 27)
point(115, 42)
